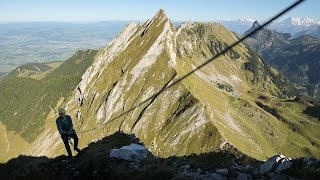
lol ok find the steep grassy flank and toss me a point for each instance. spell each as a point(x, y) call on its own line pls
point(27, 101)
point(4, 142)
point(11, 144)
point(223, 87)
point(293, 115)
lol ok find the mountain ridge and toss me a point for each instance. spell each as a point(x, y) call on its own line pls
point(294, 57)
point(236, 99)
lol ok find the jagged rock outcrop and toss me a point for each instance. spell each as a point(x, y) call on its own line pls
point(275, 164)
point(133, 152)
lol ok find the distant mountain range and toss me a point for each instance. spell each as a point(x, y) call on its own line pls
point(290, 25)
point(313, 31)
point(297, 58)
point(28, 42)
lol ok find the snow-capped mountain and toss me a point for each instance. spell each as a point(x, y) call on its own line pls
point(291, 25)
point(296, 21)
point(247, 20)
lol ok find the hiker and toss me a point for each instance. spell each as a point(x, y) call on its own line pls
point(65, 128)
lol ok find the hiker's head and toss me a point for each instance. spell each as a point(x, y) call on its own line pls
point(62, 112)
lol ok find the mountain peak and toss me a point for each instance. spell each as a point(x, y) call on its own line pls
point(304, 21)
point(162, 11)
point(160, 14)
point(255, 25)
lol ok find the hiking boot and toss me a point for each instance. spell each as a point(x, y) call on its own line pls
point(77, 149)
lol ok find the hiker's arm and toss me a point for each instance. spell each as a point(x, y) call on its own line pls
point(60, 128)
point(71, 125)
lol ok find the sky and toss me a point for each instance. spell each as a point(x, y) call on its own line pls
point(177, 10)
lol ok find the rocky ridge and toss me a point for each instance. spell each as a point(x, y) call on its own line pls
point(200, 114)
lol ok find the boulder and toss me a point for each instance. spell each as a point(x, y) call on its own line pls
point(133, 153)
point(311, 162)
point(284, 165)
point(275, 164)
point(249, 168)
point(268, 165)
point(223, 171)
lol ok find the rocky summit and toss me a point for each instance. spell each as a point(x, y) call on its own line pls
point(235, 103)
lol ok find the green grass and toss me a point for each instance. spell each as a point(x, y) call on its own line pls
point(253, 128)
point(28, 101)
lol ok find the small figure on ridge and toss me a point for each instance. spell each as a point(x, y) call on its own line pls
point(65, 128)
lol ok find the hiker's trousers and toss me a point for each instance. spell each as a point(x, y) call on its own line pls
point(65, 139)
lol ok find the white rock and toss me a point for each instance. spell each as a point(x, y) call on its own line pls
point(274, 163)
point(133, 152)
point(269, 164)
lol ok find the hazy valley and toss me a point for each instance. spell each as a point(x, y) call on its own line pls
point(41, 42)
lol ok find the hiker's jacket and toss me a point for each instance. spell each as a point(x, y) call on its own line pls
point(64, 125)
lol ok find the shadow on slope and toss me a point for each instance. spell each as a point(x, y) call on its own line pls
point(94, 161)
point(313, 111)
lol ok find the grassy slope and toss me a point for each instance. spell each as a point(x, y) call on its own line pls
point(28, 101)
point(11, 144)
point(244, 124)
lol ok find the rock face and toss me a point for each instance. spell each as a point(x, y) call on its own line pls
point(229, 100)
point(133, 152)
point(275, 164)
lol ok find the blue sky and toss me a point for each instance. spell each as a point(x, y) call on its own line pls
point(100, 10)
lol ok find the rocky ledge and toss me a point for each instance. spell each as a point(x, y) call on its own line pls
point(122, 156)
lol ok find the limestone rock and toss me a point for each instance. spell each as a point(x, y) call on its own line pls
point(133, 152)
